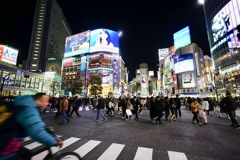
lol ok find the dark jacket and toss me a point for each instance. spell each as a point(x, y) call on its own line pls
point(229, 103)
point(101, 104)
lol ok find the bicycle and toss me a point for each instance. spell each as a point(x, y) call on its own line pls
point(28, 154)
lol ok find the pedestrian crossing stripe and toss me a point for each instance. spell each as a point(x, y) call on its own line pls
point(111, 153)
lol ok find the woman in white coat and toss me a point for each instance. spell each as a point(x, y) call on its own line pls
point(205, 105)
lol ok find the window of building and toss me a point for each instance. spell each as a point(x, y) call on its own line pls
point(34, 65)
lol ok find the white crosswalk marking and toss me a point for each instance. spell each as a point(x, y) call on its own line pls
point(176, 155)
point(33, 145)
point(55, 149)
point(143, 154)
point(112, 152)
point(87, 147)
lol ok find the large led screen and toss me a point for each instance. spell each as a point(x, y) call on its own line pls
point(77, 44)
point(182, 38)
point(183, 63)
point(104, 40)
point(8, 54)
point(188, 80)
point(226, 19)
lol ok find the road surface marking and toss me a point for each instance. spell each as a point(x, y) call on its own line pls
point(87, 147)
point(143, 154)
point(112, 152)
point(176, 155)
point(66, 143)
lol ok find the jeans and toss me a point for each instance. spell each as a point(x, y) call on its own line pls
point(100, 111)
point(64, 116)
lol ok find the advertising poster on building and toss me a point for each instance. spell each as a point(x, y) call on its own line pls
point(8, 55)
point(104, 40)
point(188, 80)
point(183, 63)
point(144, 82)
point(77, 44)
point(115, 74)
point(83, 69)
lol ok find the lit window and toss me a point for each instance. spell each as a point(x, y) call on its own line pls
point(35, 55)
point(34, 65)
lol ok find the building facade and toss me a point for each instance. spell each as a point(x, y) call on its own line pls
point(50, 29)
point(94, 53)
point(223, 20)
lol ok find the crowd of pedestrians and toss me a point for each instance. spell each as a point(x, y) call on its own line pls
point(160, 107)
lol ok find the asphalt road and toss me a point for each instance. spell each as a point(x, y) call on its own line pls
point(119, 139)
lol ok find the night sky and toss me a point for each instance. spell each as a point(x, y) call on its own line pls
point(147, 25)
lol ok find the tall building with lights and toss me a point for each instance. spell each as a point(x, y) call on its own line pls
point(50, 29)
point(223, 20)
point(94, 53)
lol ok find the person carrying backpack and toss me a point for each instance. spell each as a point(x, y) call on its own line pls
point(23, 119)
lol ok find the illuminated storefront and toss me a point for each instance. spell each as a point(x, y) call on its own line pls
point(223, 18)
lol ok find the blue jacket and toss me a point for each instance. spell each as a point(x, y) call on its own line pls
point(25, 121)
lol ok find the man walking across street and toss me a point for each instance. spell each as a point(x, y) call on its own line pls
point(100, 108)
point(231, 107)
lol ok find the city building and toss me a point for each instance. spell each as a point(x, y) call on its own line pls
point(94, 53)
point(144, 84)
point(50, 29)
point(15, 81)
point(223, 20)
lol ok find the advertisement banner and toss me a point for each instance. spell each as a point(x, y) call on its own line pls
point(188, 80)
point(77, 44)
point(83, 69)
point(115, 74)
point(8, 54)
point(68, 62)
point(144, 82)
point(225, 20)
point(182, 38)
point(183, 63)
point(162, 53)
point(104, 40)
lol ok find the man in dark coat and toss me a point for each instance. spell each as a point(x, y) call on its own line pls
point(230, 105)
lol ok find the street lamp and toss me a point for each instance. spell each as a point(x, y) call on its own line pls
point(201, 2)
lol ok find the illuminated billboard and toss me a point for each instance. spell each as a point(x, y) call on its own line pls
point(188, 80)
point(68, 62)
point(182, 38)
point(77, 44)
point(183, 63)
point(163, 53)
point(225, 20)
point(104, 40)
point(8, 54)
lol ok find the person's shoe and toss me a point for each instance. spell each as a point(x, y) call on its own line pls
point(97, 120)
point(60, 123)
point(237, 127)
point(79, 115)
point(199, 123)
point(68, 120)
point(105, 119)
